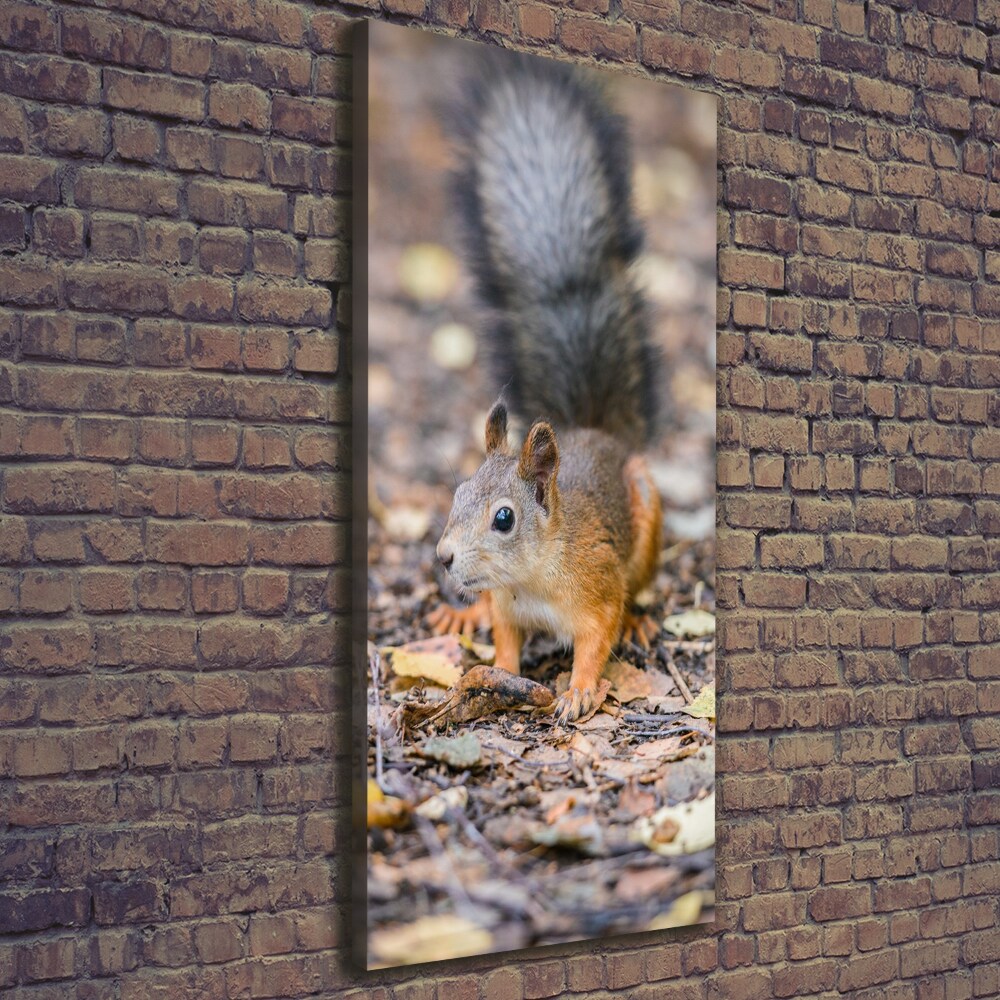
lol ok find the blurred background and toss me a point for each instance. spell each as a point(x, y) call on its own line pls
point(428, 394)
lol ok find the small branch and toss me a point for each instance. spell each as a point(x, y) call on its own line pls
point(678, 680)
point(376, 663)
point(536, 901)
point(705, 645)
point(429, 835)
point(664, 718)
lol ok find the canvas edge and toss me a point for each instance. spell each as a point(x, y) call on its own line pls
point(359, 499)
point(361, 38)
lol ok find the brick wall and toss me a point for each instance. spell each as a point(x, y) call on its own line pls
point(173, 213)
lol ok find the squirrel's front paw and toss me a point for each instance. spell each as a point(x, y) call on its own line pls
point(574, 703)
point(444, 618)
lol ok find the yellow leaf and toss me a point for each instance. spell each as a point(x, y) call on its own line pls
point(693, 624)
point(429, 939)
point(684, 911)
point(435, 667)
point(385, 810)
point(703, 707)
point(682, 829)
point(482, 652)
point(436, 806)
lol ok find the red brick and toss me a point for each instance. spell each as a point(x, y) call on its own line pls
point(239, 105)
point(265, 592)
point(136, 139)
point(274, 253)
point(96, 36)
point(313, 121)
point(273, 303)
point(215, 544)
point(106, 590)
point(46, 77)
point(230, 202)
point(155, 95)
point(665, 50)
point(161, 590)
point(201, 298)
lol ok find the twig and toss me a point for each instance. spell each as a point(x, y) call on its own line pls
point(540, 905)
point(651, 717)
point(705, 645)
point(678, 680)
point(672, 732)
point(429, 835)
point(530, 763)
point(675, 550)
point(376, 664)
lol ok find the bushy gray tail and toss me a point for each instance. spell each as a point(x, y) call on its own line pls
point(544, 193)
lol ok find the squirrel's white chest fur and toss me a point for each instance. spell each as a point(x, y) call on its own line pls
point(537, 613)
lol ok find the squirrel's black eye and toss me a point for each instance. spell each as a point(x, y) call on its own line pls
point(503, 520)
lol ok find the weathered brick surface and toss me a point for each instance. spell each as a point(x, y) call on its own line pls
point(174, 214)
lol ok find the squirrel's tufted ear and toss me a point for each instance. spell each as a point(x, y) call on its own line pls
point(496, 428)
point(539, 462)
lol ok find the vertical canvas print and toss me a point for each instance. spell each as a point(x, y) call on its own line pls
point(535, 518)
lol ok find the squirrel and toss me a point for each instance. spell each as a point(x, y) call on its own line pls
point(560, 535)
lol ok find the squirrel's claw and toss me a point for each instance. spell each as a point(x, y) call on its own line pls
point(640, 628)
point(445, 618)
point(574, 703)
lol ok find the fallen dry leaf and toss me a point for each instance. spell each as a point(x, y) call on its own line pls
point(687, 777)
point(681, 829)
point(500, 749)
point(605, 721)
point(637, 884)
point(485, 690)
point(703, 707)
point(544, 754)
point(459, 752)
point(429, 939)
point(603, 687)
point(436, 806)
point(690, 624)
point(623, 770)
point(437, 660)
point(565, 803)
point(579, 833)
point(629, 683)
point(482, 652)
point(659, 750)
point(591, 746)
point(666, 706)
point(634, 802)
point(684, 911)
point(385, 810)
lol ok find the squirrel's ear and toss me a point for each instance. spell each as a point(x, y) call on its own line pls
point(496, 428)
point(539, 461)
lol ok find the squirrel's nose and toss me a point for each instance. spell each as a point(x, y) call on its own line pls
point(445, 554)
